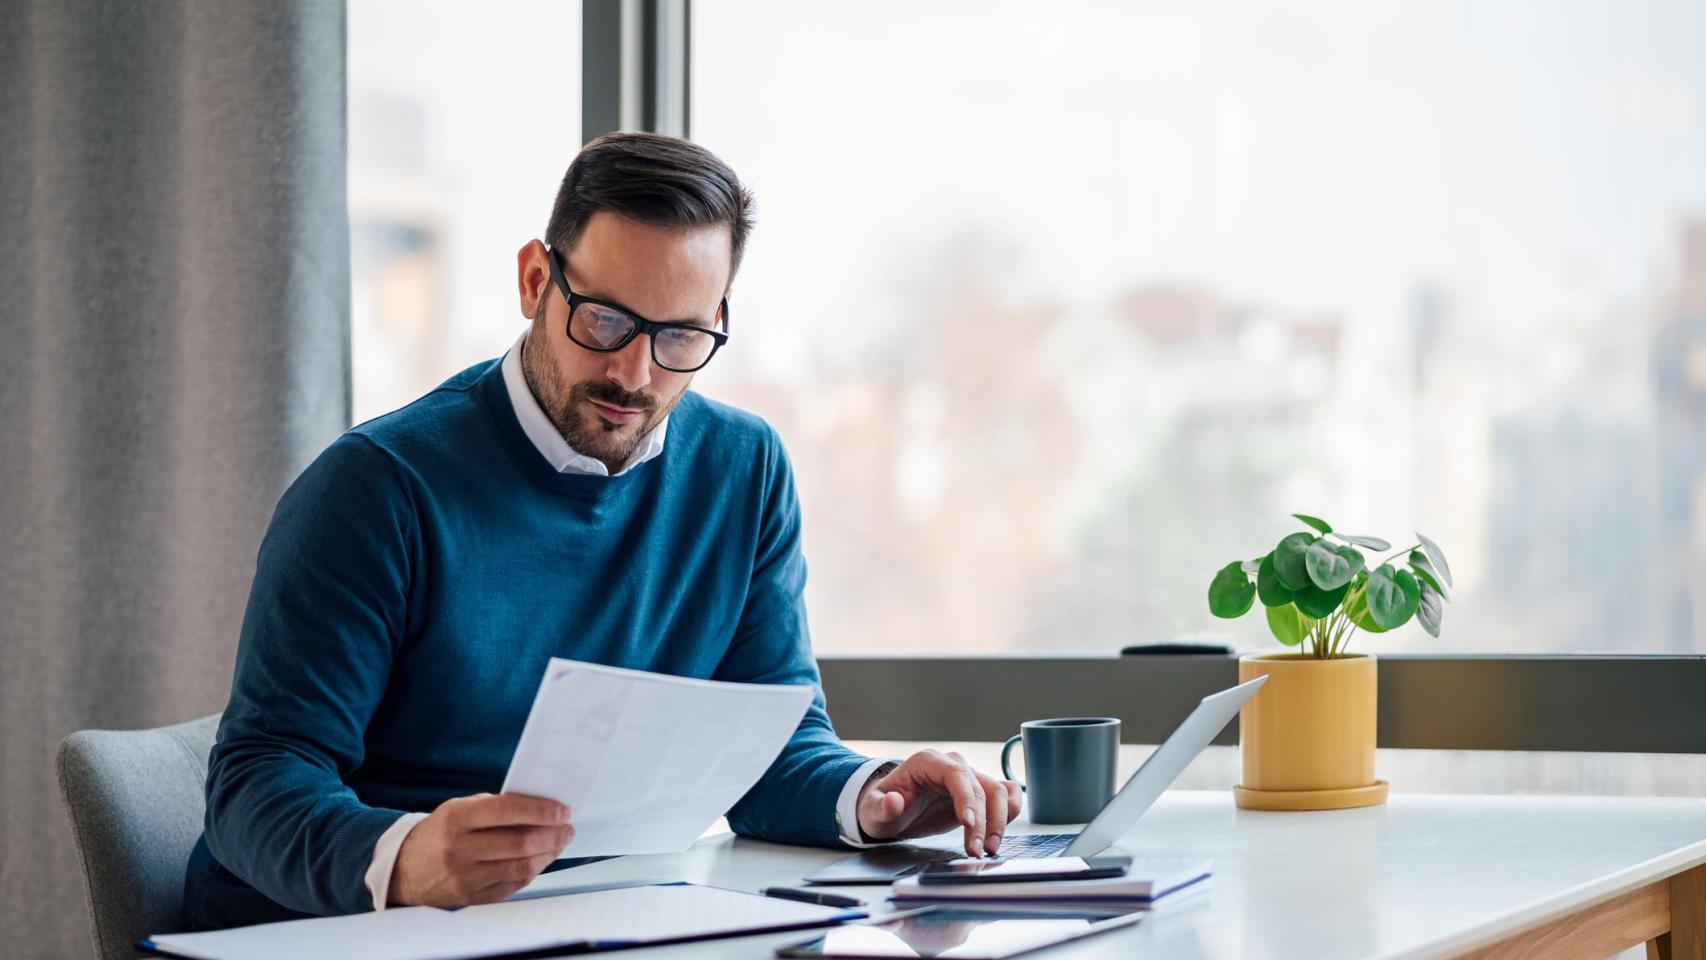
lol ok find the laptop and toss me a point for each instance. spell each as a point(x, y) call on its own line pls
point(889, 863)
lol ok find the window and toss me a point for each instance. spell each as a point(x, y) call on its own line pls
point(1061, 307)
point(461, 124)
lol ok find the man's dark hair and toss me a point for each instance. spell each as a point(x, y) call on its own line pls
point(656, 180)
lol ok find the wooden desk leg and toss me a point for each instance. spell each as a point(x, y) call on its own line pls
point(1687, 937)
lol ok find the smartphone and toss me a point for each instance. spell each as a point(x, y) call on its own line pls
point(1021, 870)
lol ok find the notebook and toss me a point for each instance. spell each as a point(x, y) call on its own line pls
point(605, 919)
point(1148, 880)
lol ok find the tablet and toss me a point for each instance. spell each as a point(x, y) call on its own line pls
point(1022, 870)
point(966, 933)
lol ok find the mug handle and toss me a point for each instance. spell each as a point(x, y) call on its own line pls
point(1006, 750)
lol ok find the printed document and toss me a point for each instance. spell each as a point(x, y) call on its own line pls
point(646, 761)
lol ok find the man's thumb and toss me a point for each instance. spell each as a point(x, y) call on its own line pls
point(893, 804)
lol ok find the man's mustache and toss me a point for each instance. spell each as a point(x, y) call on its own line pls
point(610, 394)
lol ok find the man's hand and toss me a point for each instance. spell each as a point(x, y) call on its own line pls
point(932, 792)
point(478, 849)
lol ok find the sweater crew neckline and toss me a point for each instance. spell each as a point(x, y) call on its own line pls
point(495, 398)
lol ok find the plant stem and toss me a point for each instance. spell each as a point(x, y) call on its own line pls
point(1345, 638)
point(1324, 638)
point(1347, 626)
point(1401, 553)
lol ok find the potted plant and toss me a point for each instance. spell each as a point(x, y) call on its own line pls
point(1307, 739)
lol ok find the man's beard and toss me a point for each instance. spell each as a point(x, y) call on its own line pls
point(611, 442)
point(567, 409)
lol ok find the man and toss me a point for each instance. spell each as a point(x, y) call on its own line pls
point(572, 499)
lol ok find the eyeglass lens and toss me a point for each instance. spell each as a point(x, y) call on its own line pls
point(677, 348)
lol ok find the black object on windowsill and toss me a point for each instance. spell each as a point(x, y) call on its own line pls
point(1176, 648)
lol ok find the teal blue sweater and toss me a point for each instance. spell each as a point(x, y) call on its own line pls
point(410, 589)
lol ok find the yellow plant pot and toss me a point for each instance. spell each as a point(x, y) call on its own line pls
point(1307, 737)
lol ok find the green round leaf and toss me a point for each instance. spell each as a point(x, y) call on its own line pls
point(1289, 563)
point(1393, 596)
point(1425, 573)
point(1412, 589)
point(1373, 543)
point(1315, 522)
point(1231, 593)
point(1331, 566)
point(1431, 609)
point(1436, 557)
point(1269, 589)
point(1317, 603)
point(1358, 614)
point(1288, 626)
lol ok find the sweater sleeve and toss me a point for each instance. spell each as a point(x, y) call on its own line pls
point(325, 616)
point(795, 800)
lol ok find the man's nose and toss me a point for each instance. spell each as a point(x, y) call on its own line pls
point(631, 367)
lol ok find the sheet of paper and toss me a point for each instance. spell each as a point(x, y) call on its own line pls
point(645, 761)
point(408, 933)
point(650, 913)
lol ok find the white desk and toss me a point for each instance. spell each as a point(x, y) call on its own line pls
point(1421, 876)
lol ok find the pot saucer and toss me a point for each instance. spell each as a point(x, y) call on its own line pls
point(1339, 799)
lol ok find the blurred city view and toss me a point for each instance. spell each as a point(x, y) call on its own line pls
point(1058, 308)
point(957, 495)
point(450, 172)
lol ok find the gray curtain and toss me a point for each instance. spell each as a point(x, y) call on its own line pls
point(174, 299)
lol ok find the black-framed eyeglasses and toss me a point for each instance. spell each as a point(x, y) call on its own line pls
point(605, 327)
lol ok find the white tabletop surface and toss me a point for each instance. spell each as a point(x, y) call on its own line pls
point(1420, 876)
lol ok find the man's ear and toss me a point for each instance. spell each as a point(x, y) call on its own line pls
point(532, 277)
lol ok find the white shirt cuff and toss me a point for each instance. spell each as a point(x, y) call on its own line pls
point(385, 852)
point(847, 807)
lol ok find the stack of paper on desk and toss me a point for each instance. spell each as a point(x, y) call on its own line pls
point(646, 761)
point(407, 933)
point(1148, 880)
point(598, 920)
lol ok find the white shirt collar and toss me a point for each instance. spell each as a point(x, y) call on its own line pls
point(539, 428)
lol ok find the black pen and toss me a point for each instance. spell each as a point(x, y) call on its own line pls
point(808, 896)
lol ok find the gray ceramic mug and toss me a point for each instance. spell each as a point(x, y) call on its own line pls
point(1069, 766)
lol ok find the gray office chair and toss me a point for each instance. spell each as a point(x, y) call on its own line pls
point(136, 799)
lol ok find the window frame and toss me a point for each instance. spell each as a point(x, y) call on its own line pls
point(635, 66)
point(1634, 703)
point(635, 71)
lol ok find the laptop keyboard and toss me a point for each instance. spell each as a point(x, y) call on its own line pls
point(888, 863)
point(1035, 845)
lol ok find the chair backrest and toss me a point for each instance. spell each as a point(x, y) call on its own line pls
point(136, 800)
